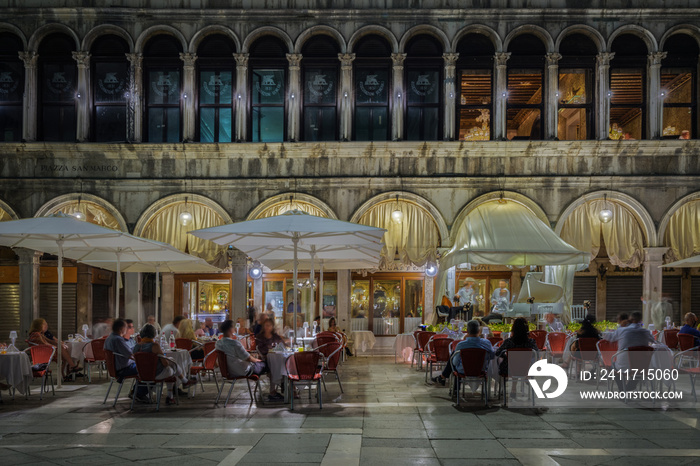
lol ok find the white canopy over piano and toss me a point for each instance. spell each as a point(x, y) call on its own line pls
point(546, 297)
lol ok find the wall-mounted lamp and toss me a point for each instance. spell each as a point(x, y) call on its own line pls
point(398, 95)
point(184, 96)
point(239, 97)
point(431, 270)
point(292, 96)
point(609, 94)
point(255, 271)
point(663, 94)
point(452, 95)
point(126, 95)
point(504, 95)
point(345, 94)
point(78, 95)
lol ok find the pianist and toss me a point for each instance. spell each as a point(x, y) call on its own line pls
point(553, 324)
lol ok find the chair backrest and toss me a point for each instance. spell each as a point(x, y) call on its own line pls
point(606, 350)
point(223, 364)
point(453, 345)
point(494, 340)
point(325, 339)
point(472, 361)
point(303, 365)
point(556, 341)
point(98, 347)
point(497, 334)
point(578, 312)
point(210, 346)
point(587, 344)
point(327, 333)
point(331, 351)
point(146, 366)
point(109, 362)
point(671, 338)
point(685, 341)
point(183, 343)
point(640, 357)
point(210, 359)
point(440, 335)
point(540, 337)
point(519, 363)
point(441, 348)
point(41, 354)
point(423, 338)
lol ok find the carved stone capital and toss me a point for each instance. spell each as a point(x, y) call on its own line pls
point(346, 60)
point(655, 58)
point(29, 58)
point(450, 58)
point(82, 59)
point(241, 59)
point(136, 59)
point(188, 59)
point(294, 60)
point(398, 58)
point(604, 58)
point(501, 58)
point(553, 58)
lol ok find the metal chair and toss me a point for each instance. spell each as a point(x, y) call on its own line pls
point(686, 341)
point(147, 367)
point(438, 353)
point(671, 338)
point(232, 379)
point(331, 359)
point(98, 357)
point(473, 360)
point(540, 337)
point(555, 345)
point(694, 355)
point(41, 356)
point(519, 362)
point(304, 368)
point(606, 351)
point(109, 362)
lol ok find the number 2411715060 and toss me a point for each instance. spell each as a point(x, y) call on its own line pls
point(638, 374)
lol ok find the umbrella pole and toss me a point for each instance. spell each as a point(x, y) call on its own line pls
point(320, 296)
point(295, 240)
point(59, 361)
point(157, 292)
point(313, 293)
point(119, 279)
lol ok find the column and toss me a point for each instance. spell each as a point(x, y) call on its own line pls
point(653, 258)
point(656, 102)
point(239, 283)
point(343, 301)
point(167, 298)
point(133, 297)
point(28, 290)
point(294, 104)
point(397, 100)
point(346, 95)
point(602, 101)
point(134, 109)
point(428, 307)
point(551, 98)
point(241, 95)
point(258, 294)
point(450, 93)
point(31, 104)
point(601, 291)
point(188, 110)
point(83, 96)
point(84, 296)
point(500, 96)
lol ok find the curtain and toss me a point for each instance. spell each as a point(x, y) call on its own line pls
point(563, 275)
point(285, 206)
point(682, 234)
point(93, 213)
point(416, 237)
point(165, 226)
point(4, 216)
point(623, 236)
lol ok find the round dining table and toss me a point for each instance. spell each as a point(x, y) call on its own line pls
point(79, 350)
point(16, 369)
point(403, 347)
point(182, 358)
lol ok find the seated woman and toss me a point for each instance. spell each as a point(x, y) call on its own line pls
point(587, 330)
point(166, 368)
point(519, 338)
point(332, 326)
point(186, 331)
point(200, 332)
point(39, 335)
point(265, 341)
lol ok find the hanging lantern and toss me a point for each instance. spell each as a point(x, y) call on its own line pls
point(185, 217)
point(605, 215)
point(397, 215)
point(79, 215)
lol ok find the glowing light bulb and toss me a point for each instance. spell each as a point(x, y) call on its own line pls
point(397, 216)
point(605, 215)
point(185, 218)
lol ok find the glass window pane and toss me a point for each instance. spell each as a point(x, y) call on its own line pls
point(319, 123)
point(173, 134)
point(413, 124)
point(625, 123)
point(474, 124)
point(111, 82)
point(359, 305)
point(330, 296)
point(268, 124)
point(11, 81)
point(268, 86)
point(320, 86)
point(156, 124)
point(380, 124)
point(677, 85)
point(274, 300)
point(59, 82)
point(678, 123)
point(524, 87)
point(207, 124)
point(362, 123)
point(163, 87)
point(627, 87)
point(387, 307)
point(215, 87)
point(423, 86)
point(413, 305)
point(430, 124)
point(10, 123)
point(524, 123)
point(475, 86)
point(371, 85)
point(575, 87)
point(58, 123)
point(110, 123)
point(225, 124)
point(572, 125)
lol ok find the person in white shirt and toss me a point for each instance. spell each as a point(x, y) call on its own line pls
point(151, 320)
point(553, 324)
point(467, 294)
point(172, 329)
point(501, 292)
point(631, 335)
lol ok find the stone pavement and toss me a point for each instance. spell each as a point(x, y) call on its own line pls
point(387, 416)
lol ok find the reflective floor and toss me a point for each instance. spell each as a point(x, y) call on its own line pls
point(387, 416)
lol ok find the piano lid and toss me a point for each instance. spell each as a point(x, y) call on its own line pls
point(532, 286)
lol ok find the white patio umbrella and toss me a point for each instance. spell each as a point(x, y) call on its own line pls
point(688, 262)
point(302, 234)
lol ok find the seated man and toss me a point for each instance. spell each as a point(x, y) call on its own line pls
point(689, 328)
point(471, 341)
point(631, 335)
point(152, 321)
point(173, 328)
point(553, 324)
point(123, 364)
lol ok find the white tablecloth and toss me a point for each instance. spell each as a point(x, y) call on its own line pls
point(275, 362)
point(183, 360)
point(403, 347)
point(79, 349)
point(16, 368)
point(362, 341)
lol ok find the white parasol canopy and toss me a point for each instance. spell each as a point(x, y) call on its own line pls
point(688, 262)
point(297, 237)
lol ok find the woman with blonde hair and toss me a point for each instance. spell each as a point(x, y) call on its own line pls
point(39, 335)
point(186, 331)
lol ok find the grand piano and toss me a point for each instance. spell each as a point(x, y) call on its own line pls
point(545, 297)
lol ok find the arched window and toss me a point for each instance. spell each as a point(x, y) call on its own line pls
point(575, 100)
point(628, 88)
point(110, 86)
point(11, 88)
point(423, 79)
point(475, 87)
point(525, 107)
point(216, 75)
point(679, 87)
point(268, 69)
point(320, 86)
point(163, 71)
point(58, 75)
point(372, 89)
